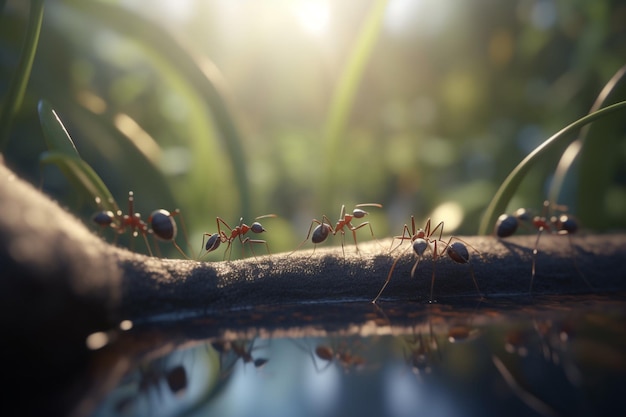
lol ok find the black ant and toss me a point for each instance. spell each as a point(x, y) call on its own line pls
point(561, 224)
point(422, 239)
point(324, 228)
point(215, 239)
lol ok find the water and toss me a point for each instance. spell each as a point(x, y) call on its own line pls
point(545, 356)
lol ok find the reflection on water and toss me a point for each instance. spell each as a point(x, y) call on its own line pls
point(548, 357)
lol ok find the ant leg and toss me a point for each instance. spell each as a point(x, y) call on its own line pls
point(308, 235)
point(229, 250)
point(393, 266)
point(354, 229)
point(571, 244)
point(532, 270)
point(432, 232)
point(251, 241)
point(177, 212)
point(432, 279)
point(458, 253)
point(145, 239)
point(406, 235)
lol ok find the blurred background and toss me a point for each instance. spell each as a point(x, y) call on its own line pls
point(237, 108)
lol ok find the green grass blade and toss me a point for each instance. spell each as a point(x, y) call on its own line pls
point(344, 95)
point(599, 160)
point(56, 137)
point(592, 144)
point(63, 153)
point(82, 176)
point(15, 96)
point(198, 70)
point(509, 186)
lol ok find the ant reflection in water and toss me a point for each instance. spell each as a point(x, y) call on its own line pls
point(237, 350)
point(156, 384)
point(544, 346)
point(422, 352)
point(560, 223)
point(329, 354)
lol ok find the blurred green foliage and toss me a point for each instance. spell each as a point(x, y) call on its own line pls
point(449, 97)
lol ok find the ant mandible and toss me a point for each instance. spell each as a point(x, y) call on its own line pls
point(215, 239)
point(324, 228)
point(561, 224)
point(421, 239)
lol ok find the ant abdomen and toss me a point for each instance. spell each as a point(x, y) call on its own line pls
point(506, 225)
point(320, 233)
point(458, 252)
point(162, 224)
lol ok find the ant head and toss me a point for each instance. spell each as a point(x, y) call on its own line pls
point(358, 213)
point(257, 227)
point(458, 253)
point(213, 242)
point(506, 225)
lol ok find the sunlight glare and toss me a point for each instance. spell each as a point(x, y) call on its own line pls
point(453, 214)
point(313, 16)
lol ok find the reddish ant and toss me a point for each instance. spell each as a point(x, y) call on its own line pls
point(325, 228)
point(331, 355)
point(121, 222)
point(561, 224)
point(160, 222)
point(421, 351)
point(421, 239)
point(215, 239)
point(151, 378)
point(240, 351)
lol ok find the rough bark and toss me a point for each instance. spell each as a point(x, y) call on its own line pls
point(59, 282)
point(54, 268)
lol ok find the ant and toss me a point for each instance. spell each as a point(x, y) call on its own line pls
point(330, 355)
point(215, 239)
point(121, 222)
point(240, 351)
point(151, 379)
point(160, 223)
point(422, 350)
point(421, 239)
point(324, 228)
point(561, 224)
